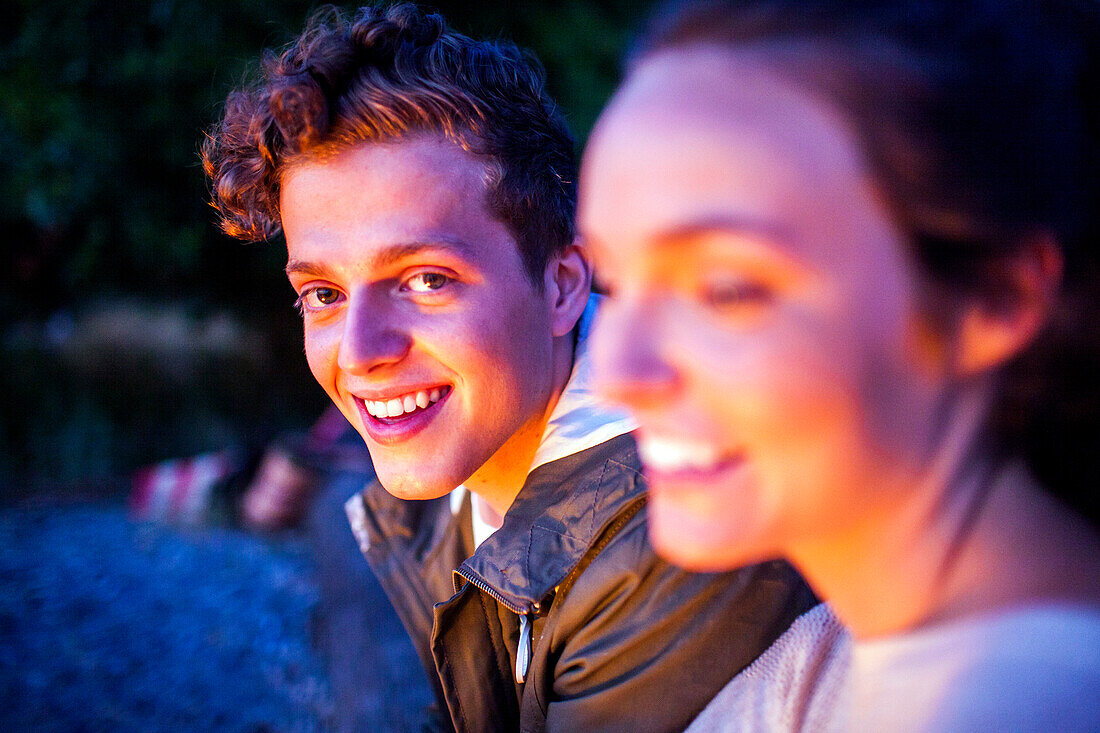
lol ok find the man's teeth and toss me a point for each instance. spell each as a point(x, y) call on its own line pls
point(664, 454)
point(399, 406)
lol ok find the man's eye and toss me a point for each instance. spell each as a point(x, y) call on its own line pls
point(317, 298)
point(426, 282)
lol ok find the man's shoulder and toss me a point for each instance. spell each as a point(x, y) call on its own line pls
point(377, 516)
point(585, 490)
point(621, 569)
point(631, 625)
point(560, 512)
point(622, 566)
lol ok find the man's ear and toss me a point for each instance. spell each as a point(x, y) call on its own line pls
point(568, 282)
point(991, 331)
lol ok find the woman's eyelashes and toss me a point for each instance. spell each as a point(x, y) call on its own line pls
point(731, 292)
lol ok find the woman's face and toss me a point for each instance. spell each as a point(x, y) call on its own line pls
point(763, 324)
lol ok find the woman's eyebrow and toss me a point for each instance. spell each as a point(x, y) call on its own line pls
point(725, 223)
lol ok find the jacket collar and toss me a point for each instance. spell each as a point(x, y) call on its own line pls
point(579, 420)
point(557, 516)
point(584, 472)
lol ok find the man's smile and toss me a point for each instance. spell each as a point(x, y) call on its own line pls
point(406, 403)
point(390, 420)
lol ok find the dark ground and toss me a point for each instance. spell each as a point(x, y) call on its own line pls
point(111, 625)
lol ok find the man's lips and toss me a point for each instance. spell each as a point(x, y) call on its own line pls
point(386, 430)
point(399, 404)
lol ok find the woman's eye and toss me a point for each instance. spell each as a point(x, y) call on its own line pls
point(317, 298)
point(732, 292)
point(426, 282)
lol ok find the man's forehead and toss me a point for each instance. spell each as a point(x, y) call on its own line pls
point(426, 157)
point(386, 201)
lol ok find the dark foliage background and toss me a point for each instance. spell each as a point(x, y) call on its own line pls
point(131, 329)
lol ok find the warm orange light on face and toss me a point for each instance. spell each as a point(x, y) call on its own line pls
point(761, 306)
point(414, 294)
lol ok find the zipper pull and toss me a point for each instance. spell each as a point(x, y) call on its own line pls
point(523, 652)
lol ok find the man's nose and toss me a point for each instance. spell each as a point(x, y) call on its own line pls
point(629, 366)
point(374, 336)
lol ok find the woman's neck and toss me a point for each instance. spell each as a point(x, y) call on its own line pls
point(972, 535)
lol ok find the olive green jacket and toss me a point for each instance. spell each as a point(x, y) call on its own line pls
point(565, 619)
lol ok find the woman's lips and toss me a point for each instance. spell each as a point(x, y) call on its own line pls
point(670, 462)
point(391, 430)
point(696, 477)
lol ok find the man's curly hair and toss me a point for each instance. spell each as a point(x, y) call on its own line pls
point(383, 74)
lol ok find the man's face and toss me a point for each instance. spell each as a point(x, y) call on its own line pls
point(420, 321)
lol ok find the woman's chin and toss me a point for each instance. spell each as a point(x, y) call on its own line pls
point(703, 542)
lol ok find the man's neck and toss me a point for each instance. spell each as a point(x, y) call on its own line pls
point(500, 479)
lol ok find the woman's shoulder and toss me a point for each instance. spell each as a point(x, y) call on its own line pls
point(797, 684)
point(1028, 668)
point(1062, 634)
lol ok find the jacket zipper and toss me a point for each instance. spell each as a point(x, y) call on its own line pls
point(492, 593)
point(527, 614)
point(526, 621)
point(523, 651)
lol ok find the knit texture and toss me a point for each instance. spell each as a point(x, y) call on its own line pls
point(796, 685)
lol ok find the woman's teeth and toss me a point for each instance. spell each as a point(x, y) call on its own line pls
point(398, 406)
point(670, 455)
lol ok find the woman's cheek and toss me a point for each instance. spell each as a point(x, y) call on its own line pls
point(793, 406)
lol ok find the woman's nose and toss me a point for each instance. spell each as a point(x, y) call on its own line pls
point(629, 368)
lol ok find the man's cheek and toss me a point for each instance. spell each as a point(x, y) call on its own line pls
point(321, 354)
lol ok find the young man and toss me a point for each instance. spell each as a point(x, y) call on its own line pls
point(425, 185)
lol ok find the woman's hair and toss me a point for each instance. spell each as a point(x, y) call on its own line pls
point(382, 74)
point(978, 125)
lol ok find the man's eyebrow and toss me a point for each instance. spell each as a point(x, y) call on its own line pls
point(396, 252)
point(301, 267)
point(388, 256)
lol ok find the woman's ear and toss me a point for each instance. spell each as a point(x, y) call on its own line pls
point(568, 282)
point(993, 330)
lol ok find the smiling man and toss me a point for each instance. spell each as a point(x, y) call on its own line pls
point(421, 322)
point(425, 185)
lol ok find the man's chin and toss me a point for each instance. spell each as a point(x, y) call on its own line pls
point(404, 486)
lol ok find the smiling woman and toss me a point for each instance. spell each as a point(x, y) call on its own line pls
point(833, 233)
